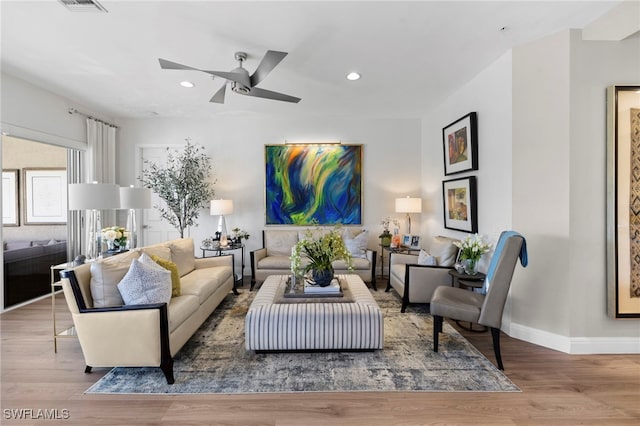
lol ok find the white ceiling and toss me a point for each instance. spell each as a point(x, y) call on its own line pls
point(410, 54)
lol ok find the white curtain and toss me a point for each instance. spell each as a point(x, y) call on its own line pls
point(100, 160)
point(101, 155)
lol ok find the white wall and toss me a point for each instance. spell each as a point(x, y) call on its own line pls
point(559, 180)
point(391, 161)
point(594, 66)
point(489, 94)
point(541, 125)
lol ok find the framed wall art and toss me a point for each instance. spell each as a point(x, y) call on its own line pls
point(45, 196)
point(460, 145)
point(10, 203)
point(460, 204)
point(307, 184)
point(623, 201)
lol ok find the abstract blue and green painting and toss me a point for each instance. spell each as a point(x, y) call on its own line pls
point(307, 184)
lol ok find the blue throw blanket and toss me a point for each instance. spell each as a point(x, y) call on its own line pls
point(524, 260)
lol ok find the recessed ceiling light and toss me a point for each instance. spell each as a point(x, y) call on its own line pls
point(353, 76)
point(187, 84)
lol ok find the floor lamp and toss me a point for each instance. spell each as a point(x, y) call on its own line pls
point(132, 198)
point(409, 205)
point(93, 197)
point(221, 208)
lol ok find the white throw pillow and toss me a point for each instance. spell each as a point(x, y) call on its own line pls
point(105, 276)
point(444, 251)
point(357, 245)
point(425, 258)
point(145, 284)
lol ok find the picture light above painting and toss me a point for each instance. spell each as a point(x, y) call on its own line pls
point(307, 184)
point(460, 145)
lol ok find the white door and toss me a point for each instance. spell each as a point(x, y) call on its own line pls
point(155, 229)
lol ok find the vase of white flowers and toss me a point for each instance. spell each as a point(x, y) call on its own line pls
point(320, 253)
point(471, 250)
point(115, 238)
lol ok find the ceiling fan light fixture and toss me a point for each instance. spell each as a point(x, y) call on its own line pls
point(353, 76)
point(187, 84)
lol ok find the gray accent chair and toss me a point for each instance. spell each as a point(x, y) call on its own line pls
point(484, 309)
point(416, 283)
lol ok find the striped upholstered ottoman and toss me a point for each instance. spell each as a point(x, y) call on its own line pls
point(274, 326)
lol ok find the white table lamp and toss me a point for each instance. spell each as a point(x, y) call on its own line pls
point(221, 208)
point(132, 198)
point(93, 197)
point(408, 205)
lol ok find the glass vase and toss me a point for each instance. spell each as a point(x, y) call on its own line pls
point(470, 266)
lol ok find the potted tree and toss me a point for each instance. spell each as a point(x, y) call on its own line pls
point(183, 184)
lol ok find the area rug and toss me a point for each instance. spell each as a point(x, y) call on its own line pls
point(215, 361)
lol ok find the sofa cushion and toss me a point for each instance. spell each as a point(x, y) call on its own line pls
point(203, 282)
point(444, 251)
point(356, 242)
point(180, 309)
point(425, 258)
point(161, 250)
point(182, 254)
point(279, 242)
point(15, 245)
point(145, 283)
point(275, 262)
point(105, 276)
point(358, 264)
point(175, 275)
point(398, 270)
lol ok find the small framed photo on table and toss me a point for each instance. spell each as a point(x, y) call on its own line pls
point(411, 241)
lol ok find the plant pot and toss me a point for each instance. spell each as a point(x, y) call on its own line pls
point(322, 277)
point(385, 241)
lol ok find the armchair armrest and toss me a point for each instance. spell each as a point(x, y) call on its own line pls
point(130, 335)
point(256, 256)
point(403, 258)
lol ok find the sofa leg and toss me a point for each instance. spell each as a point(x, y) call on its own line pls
point(87, 369)
point(437, 328)
point(404, 306)
point(167, 368)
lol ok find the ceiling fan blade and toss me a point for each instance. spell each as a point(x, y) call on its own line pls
point(231, 76)
point(219, 96)
point(268, 94)
point(168, 65)
point(268, 63)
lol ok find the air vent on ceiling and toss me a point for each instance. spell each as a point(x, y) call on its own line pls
point(83, 6)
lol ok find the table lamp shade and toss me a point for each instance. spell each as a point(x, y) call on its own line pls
point(135, 198)
point(93, 196)
point(408, 205)
point(221, 207)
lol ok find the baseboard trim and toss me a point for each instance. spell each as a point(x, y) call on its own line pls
point(574, 345)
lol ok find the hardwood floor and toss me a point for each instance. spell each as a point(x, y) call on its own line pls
point(557, 389)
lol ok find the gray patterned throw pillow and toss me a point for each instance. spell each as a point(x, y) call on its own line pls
point(144, 284)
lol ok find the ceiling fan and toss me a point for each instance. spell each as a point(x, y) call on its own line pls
point(241, 82)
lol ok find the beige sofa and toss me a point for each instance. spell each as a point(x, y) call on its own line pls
point(149, 334)
point(415, 282)
point(273, 257)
